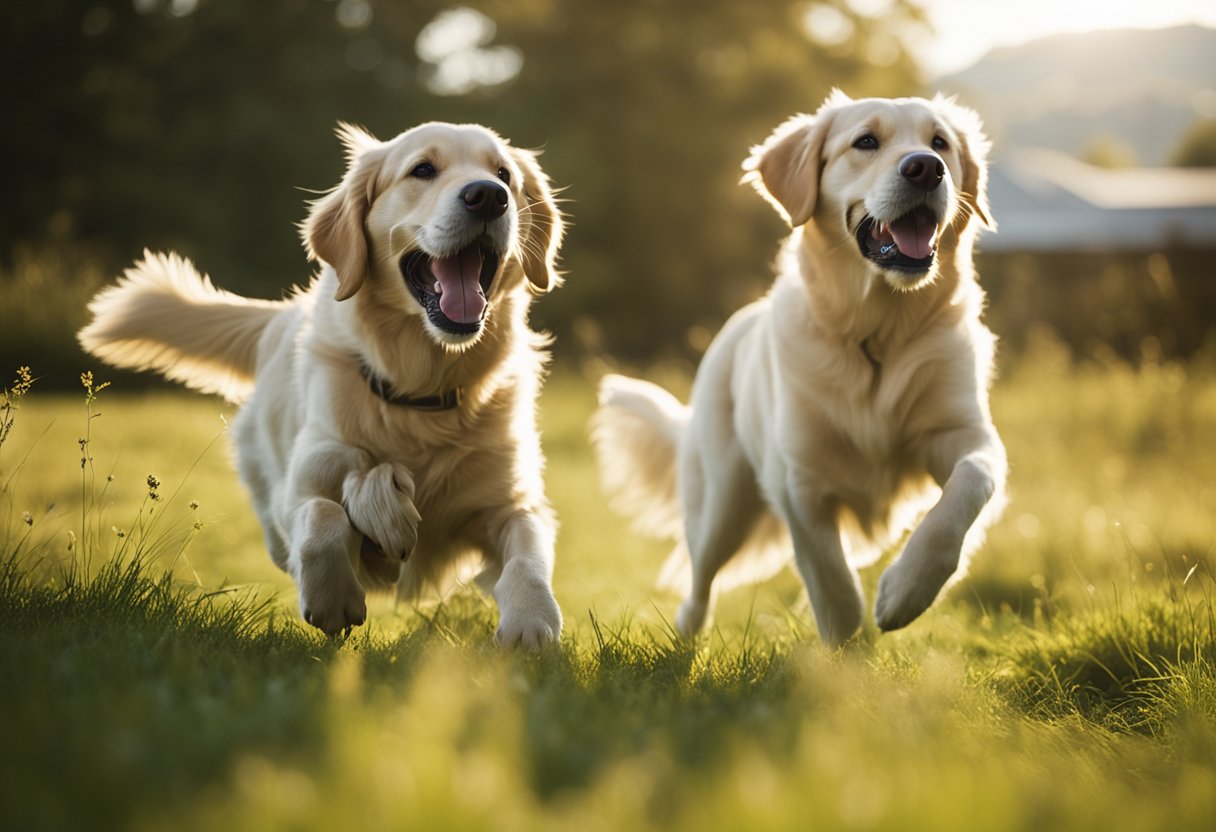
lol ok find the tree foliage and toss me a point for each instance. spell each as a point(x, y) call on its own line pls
point(201, 125)
point(1197, 148)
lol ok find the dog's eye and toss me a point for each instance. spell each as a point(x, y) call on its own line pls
point(940, 144)
point(867, 142)
point(504, 175)
point(424, 170)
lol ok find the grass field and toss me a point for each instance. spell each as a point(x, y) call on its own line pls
point(161, 678)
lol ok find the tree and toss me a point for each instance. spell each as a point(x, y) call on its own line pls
point(647, 110)
point(1107, 151)
point(1197, 147)
point(197, 126)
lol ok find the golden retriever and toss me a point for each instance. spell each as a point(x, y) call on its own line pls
point(841, 405)
point(388, 421)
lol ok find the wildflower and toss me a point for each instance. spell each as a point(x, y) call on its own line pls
point(194, 504)
point(22, 384)
point(27, 518)
point(8, 405)
point(121, 534)
point(91, 390)
point(153, 484)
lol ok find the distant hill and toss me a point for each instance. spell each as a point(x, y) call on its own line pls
point(1143, 87)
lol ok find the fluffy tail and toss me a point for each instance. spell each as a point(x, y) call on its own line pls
point(636, 432)
point(163, 315)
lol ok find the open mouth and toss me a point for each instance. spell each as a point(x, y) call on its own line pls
point(906, 244)
point(453, 288)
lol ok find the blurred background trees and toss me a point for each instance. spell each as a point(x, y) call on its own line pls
point(1197, 148)
point(205, 125)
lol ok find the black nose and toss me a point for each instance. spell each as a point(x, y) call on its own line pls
point(924, 170)
point(485, 200)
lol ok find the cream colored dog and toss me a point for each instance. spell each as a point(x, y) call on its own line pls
point(388, 426)
point(850, 397)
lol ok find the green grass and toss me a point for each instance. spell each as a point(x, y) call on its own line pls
point(162, 680)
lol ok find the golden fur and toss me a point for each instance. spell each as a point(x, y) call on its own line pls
point(852, 398)
point(352, 491)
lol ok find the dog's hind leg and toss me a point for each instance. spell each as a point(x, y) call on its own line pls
point(831, 584)
point(263, 505)
point(721, 506)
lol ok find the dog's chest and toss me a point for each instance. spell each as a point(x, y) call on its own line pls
point(861, 433)
point(432, 449)
point(458, 464)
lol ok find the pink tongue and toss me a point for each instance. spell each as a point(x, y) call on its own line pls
point(458, 275)
point(915, 233)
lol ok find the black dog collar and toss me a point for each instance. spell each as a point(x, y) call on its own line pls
point(448, 400)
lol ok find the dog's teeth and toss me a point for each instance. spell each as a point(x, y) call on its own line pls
point(438, 288)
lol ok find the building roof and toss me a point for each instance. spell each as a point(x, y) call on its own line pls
point(1044, 200)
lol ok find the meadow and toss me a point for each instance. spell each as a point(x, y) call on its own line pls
point(154, 673)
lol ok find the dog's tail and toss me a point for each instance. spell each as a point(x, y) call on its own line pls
point(636, 433)
point(163, 315)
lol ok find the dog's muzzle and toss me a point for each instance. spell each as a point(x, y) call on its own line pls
point(907, 243)
point(453, 289)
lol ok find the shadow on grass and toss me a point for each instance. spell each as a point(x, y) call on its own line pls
point(126, 696)
point(125, 682)
point(128, 684)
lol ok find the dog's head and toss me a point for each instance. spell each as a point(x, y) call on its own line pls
point(444, 219)
point(891, 175)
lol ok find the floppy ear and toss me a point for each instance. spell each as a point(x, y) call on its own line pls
point(541, 223)
point(334, 229)
point(785, 169)
point(973, 148)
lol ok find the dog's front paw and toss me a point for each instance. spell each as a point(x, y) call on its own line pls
point(528, 616)
point(333, 602)
point(912, 583)
point(690, 617)
point(530, 629)
point(380, 504)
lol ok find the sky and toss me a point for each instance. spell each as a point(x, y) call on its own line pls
point(966, 29)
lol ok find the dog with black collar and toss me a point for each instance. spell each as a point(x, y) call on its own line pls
point(387, 426)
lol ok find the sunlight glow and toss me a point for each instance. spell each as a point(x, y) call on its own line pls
point(354, 14)
point(827, 25)
point(456, 45)
point(966, 29)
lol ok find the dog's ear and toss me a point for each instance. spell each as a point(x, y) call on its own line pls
point(334, 231)
point(785, 169)
point(973, 147)
point(541, 225)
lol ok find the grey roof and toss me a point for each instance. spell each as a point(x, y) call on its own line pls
point(1044, 200)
